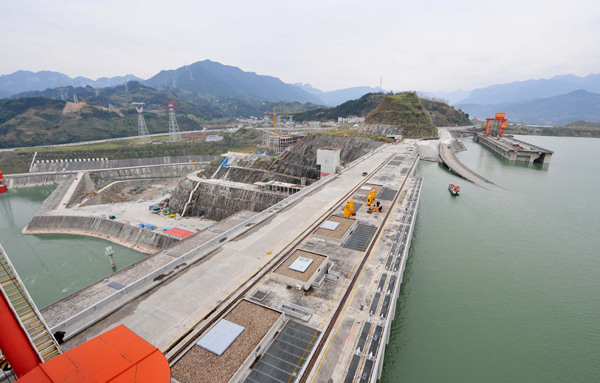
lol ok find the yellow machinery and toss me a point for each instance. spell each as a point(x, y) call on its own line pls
point(196, 165)
point(349, 209)
point(371, 197)
point(274, 113)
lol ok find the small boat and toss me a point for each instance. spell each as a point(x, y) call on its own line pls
point(454, 190)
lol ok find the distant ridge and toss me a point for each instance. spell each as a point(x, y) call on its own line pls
point(337, 97)
point(211, 81)
point(533, 89)
point(574, 106)
point(25, 81)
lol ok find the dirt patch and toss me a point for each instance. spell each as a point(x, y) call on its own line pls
point(130, 191)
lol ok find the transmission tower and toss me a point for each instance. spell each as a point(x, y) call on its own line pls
point(64, 94)
point(75, 100)
point(111, 107)
point(97, 92)
point(126, 88)
point(142, 128)
point(174, 134)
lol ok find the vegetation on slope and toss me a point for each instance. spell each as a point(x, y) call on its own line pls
point(405, 113)
point(38, 119)
point(444, 115)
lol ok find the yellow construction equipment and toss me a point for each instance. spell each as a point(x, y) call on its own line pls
point(274, 113)
point(196, 165)
point(371, 197)
point(349, 208)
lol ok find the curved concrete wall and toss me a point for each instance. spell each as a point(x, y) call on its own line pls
point(119, 232)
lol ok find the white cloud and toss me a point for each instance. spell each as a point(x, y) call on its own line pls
point(427, 45)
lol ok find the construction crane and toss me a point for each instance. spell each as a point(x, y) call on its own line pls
point(274, 113)
point(500, 119)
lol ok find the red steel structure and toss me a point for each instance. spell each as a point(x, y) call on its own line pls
point(500, 119)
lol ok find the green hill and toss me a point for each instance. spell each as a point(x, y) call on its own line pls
point(444, 115)
point(38, 118)
point(402, 114)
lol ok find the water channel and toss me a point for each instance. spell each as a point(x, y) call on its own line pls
point(53, 266)
point(503, 286)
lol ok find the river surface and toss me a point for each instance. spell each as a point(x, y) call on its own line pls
point(53, 266)
point(504, 286)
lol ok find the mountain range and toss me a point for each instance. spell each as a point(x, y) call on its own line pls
point(577, 105)
point(24, 81)
point(337, 97)
point(204, 81)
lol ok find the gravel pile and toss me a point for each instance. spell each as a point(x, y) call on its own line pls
point(338, 233)
point(202, 366)
point(285, 270)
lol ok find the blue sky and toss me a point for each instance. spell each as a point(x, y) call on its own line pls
point(425, 45)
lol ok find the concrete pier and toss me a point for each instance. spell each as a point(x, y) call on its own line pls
point(515, 150)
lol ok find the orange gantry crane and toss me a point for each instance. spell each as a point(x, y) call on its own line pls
point(274, 113)
point(500, 119)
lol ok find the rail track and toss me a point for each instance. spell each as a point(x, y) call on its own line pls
point(325, 335)
point(180, 346)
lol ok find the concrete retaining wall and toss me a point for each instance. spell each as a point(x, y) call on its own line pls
point(102, 177)
point(109, 164)
point(220, 201)
point(119, 232)
point(25, 180)
point(57, 195)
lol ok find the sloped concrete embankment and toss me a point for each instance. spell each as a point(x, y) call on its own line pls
point(26, 180)
point(248, 176)
point(302, 161)
point(57, 196)
point(139, 239)
point(102, 177)
point(219, 201)
point(109, 164)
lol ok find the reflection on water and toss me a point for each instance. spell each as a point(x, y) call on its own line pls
point(502, 286)
point(53, 266)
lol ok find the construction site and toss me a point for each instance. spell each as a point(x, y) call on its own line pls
point(300, 238)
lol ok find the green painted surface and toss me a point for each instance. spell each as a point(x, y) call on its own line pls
point(53, 266)
point(504, 286)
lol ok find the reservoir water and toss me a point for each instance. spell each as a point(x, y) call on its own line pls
point(504, 285)
point(53, 266)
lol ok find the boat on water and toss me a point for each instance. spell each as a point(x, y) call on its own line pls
point(454, 190)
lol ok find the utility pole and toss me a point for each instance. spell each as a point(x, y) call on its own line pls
point(174, 133)
point(142, 128)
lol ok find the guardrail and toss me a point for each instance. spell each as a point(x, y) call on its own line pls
point(192, 256)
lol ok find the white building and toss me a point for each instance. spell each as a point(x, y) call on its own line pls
point(329, 160)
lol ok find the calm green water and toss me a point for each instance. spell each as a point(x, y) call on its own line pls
point(53, 266)
point(504, 286)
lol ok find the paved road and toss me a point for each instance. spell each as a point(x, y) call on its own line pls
point(449, 158)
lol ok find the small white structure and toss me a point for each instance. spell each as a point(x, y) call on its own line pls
point(329, 160)
point(214, 138)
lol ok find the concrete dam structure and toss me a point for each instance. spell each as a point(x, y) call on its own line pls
point(131, 236)
point(216, 199)
point(515, 150)
point(103, 163)
point(256, 182)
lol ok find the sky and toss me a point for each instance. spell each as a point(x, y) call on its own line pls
point(413, 45)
